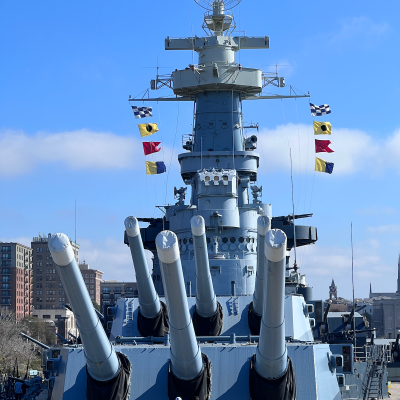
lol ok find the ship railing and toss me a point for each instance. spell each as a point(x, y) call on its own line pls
point(225, 255)
point(209, 14)
point(251, 339)
point(368, 353)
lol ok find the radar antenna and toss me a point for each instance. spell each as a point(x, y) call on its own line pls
point(209, 4)
point(217, 19)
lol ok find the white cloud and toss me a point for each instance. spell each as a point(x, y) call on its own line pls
point(88, 150)
point(375, 210)
point(353, 150)
point(111, 256)
point(77, 150)
point(321, 264)
point(385, 229)
point(361, 29)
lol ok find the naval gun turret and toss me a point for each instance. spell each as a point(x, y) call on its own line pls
point(272, 375)
point(153, 316)
point(207, 315)
point(105, 369)
point(256, 306)
point(187, 363)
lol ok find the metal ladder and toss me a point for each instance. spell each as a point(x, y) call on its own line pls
point(376, 367)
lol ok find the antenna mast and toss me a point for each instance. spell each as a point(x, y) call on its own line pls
point(352, 282)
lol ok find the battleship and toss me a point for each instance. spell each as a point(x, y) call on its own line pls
point(223, 313)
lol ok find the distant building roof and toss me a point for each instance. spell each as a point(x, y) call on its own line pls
point(384, 295)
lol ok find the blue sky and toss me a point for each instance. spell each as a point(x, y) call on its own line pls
point(67, 131)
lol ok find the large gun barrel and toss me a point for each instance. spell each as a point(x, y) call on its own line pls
point(42, 345)
point(206, 302)
point(102, 361)
point(271, 357)
point(263, 226)
point(148, 298)
point(186, 358)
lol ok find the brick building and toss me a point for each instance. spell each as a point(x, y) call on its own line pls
point(48, 291)
point(16, 278)
point(92, 278)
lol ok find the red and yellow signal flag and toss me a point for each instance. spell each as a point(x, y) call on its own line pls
point(322, 146)
point(151, 147)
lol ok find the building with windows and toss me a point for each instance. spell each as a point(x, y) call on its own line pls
point(63, 320)
point(16, 278)
point(48, 291)
point(111, 291)
point(386, 310)
point(92, 278)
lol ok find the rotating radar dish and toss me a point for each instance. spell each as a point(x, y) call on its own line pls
point(208, 4)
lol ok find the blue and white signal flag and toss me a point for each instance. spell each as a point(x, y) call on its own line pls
point(321, 110)
point(142, 112)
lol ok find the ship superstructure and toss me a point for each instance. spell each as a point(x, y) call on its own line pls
point(223, 315)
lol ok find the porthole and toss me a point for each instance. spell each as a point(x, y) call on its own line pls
point(241, 239)
point(224, 240)
point(248, 240)
point(233, 240)
point(208, 240)
point(185, 240)
point(190, 240)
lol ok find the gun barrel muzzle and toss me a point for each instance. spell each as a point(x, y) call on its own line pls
point(148, 299)
point(186, 356)
point(271, 356)
point(101, 359)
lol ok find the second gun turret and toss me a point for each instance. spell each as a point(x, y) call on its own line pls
point(256, 306)
point(207, 315)
point(271, 373)
point(187, 364)
point(153, 316)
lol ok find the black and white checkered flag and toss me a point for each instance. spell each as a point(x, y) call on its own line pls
point(142, 112)
point(321, 110)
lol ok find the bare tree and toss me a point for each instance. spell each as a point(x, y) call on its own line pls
point(13, 348)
